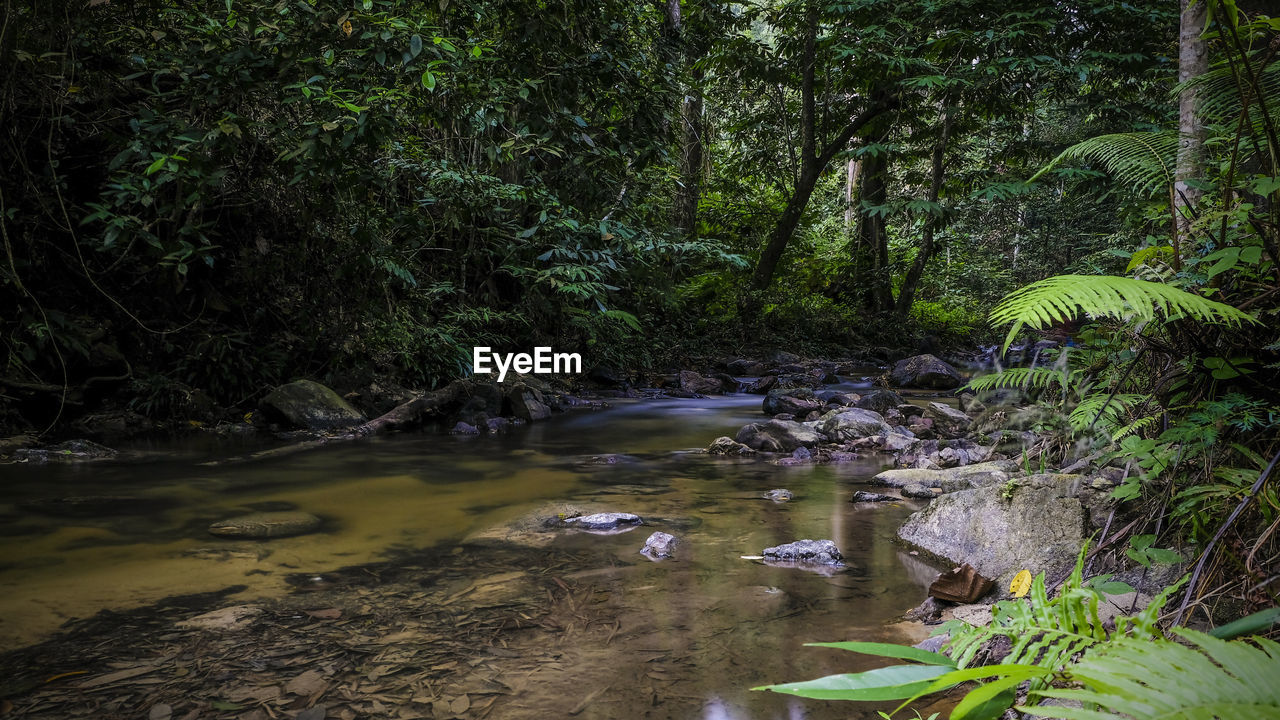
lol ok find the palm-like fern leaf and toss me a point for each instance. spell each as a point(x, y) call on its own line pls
point(1144, 160)
point(1103, 407)
point(1027, 378)
point(1220, 100)
point(1064, 297)
point(1141, 678)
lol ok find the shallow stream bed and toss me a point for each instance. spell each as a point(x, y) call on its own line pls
point(555, 624)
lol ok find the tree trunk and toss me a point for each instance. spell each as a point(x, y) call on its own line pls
point(812, 161)
point(872, 233)
point(906, 295)
point(1193, 61)
point(689, 191)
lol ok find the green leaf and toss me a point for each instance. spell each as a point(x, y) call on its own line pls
point(989, 701)
point(902, 652)
point(155, 166)
point(1247, 625)
point(415, 45)
point(896, 682)
point(429, 81)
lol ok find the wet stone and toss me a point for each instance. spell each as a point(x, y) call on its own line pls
point(266, 525)
point(660, 545)
point(863, 496)
point(780, 495)
point(604, 521)
point(822, 552)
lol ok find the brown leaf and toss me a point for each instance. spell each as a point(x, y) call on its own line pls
point(116, 676)
point(460, 704)
point(306, 684)
point(326, 614)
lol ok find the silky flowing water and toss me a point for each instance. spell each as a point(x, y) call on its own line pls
point(726, 622)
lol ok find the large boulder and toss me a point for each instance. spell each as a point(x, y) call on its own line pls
point(958, 478)
point(778, 436)
point(308, 404)
point(924, 371)
point(880, 401)
point(854, 423)
point(795, 401)
point(527, 403)
point(947, 418)
point(692, 382)
point(1032, 523)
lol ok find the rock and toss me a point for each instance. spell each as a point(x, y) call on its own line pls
point(853, 424)
point(1035, 526)
point(462, 428)
point(496, 425)
point(918, 491)
point(903, 477)
point(933, 643)
point(895, 441)
point(660, 545)
point(960, 585)
point(924, 371)
point(958, 478)
point(606, 375)
point(778, 436)
point(947, 418)
point(65, 451)
point(971, 404)
point(822, 552)
point(527, 403)
point(308, 404)
point(763, 385)
point(780, 495)
point(909, 411)
point(863, 496)
point(880, 401)
point(266, 525)
point(728, 446)
point(692, 382)
point(782, 357)
point(797, 401)
point(927, 611)
point(802, 454)
point(745, 368)
point(604, 521)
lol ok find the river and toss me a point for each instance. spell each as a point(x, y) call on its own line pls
point(720, 622)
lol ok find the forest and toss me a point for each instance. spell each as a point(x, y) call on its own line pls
point(1076, 202)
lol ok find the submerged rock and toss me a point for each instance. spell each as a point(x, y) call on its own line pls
point(924, 371)
point(66, 451)
point(604, 521)
point(309, 405)
point(822, 552)
point(266, 525)
point(780, 495)
point(660, 545)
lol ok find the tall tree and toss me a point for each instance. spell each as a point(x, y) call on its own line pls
point(1193, 61)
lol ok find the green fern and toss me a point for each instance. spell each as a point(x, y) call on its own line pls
point(1144, 678)
point(1104, 408)
point(1036, 378)
point(1144, 160)
point(1064, 297)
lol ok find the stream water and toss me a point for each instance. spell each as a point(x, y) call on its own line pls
point(734, 622)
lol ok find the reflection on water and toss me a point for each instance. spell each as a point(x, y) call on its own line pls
point(696, 631)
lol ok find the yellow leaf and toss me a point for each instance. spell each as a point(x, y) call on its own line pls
point(73, 89)
point(1021, 583)
point(346, 27)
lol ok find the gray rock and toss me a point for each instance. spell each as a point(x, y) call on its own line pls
point(797, 401)
point(308, 404)
point(1032, 524)
point(778, 436)
point(918, 491)
point(947, 418)
point(862, 496)
point(880, 401)
point(802, 454)
point(266, 525)
point(728, 446)
point(981, 474)
point(924, 371)
point(780, 495)
point(898, 440)
point(462, 428)
point(604, 521)
point(822, 552)
point(852, 424)
point(527, 403)
point(692, 382)
point(660, 545)
point(971, 404)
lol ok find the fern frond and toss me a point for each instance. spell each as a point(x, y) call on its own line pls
point(1036, 378)
point(1064, 297)
point(1103, 407)
point(1219, 100)
point(1134, 427)
point(1144, 678)
point(1143, 160)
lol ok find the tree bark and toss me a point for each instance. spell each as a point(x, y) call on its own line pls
point(1193, 61)
point(906, 295)
point(872, 234)
point(689, 192)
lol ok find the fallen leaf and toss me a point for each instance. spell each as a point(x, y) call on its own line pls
point(306, 684)
point(313, 713)
point(160, 711)
point(326, 614)
point(460, 704)
point(116, 676)
point(1021, 583)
